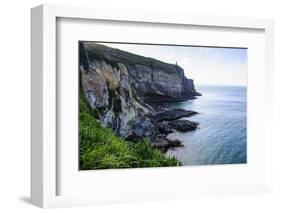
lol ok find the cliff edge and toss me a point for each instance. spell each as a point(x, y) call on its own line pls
point(125, 89)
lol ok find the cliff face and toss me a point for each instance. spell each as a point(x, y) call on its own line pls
point(124, 87)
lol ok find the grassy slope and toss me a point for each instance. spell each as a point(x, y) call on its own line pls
point(100, 148)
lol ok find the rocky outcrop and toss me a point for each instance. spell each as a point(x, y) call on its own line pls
point(173, 114)
point(124, 88)
point(163, 143)
point(183, 125)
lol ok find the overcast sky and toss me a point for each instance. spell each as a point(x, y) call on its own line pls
point(207, 66)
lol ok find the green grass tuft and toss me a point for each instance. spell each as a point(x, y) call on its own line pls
point(100, 148)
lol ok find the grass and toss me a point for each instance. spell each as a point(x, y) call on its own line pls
point(100, 148)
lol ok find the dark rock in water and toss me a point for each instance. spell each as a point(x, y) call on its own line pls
point(198, 94)
point(124, 88)
point(183, 125)
point(174, 143)
point(173, 114)
point(164, 128)
point(160, 142)
point(163, 143)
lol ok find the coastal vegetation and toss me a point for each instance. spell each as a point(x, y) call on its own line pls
point(100, 148)
point(124, 122)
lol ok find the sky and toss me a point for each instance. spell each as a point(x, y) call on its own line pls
point(205, 65)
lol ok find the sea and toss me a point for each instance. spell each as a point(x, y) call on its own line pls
point(222, 134)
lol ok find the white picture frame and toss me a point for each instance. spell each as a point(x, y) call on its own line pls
point(44, 153)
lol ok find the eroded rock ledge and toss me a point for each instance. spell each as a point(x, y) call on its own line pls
point(125, 89)
point(167, 122)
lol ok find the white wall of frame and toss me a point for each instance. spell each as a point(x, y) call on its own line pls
point(15, 113)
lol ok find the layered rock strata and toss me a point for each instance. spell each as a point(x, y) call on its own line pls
point(127, 91)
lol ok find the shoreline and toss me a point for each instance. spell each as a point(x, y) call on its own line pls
point(169, 121)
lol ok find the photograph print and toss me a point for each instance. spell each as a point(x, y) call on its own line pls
point(159, 105)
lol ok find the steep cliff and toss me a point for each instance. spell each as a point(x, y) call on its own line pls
point(125, 88)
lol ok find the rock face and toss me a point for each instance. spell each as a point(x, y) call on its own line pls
point(124, 88)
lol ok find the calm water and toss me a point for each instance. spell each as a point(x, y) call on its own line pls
point(222, 134)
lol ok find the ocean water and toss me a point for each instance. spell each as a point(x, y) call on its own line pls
point(222, 134)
